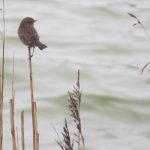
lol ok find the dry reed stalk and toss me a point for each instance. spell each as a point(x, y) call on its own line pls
point(147, 34)
point(12, 123)
point(3, 39)
point(74, 106)
point(36, 127)
point(22, 131)
point(33, 127)
point(66, 144)
point(140, 23)
point(17, 138)
point(2, 76)
point(31, 75)
point(1, 116)
point(32, 98)
point(13, 77)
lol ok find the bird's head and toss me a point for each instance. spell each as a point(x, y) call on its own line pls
point(28, 21)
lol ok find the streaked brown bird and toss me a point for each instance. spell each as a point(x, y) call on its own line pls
point(28, 34)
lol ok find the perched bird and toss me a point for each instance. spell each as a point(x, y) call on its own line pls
point(28, 34)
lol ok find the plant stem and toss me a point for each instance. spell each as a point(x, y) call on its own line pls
point(32, 97)
point(2, 79)
point(12, 123)
point(22, 130)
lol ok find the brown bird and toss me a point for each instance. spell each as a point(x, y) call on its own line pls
point(28, 34)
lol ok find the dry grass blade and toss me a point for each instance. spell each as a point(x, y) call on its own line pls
point(142, 70)
point(132, 15)
point(143, 27)
point(140, 23)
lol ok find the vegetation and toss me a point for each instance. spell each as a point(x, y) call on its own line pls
point(74, 106)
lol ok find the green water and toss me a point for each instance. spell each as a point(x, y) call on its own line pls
point(98, 38)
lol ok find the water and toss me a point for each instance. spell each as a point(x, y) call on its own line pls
point(96, 37)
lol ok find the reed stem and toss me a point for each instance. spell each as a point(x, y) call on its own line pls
point(31, 76)
point(36, 127)
point(2, 77)
point(22, 131)
point(32, 97)
point(12, 123)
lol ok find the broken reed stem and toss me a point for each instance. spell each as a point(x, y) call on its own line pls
point(32, 97)
point(12, 123)
point(22, 131)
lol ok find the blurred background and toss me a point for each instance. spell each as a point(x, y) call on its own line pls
point(97, 37)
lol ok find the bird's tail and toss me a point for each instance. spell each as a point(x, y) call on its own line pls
point(41, 46)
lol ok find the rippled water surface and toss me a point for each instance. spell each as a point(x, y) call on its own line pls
point(97, 37)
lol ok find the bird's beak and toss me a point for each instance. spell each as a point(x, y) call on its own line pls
point(35, 20)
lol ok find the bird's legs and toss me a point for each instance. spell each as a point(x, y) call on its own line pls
point(32, 52)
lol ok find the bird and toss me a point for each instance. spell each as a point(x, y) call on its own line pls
point(28, 34)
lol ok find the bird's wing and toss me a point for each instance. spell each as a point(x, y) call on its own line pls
point(32, 36)
point(29, 36)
